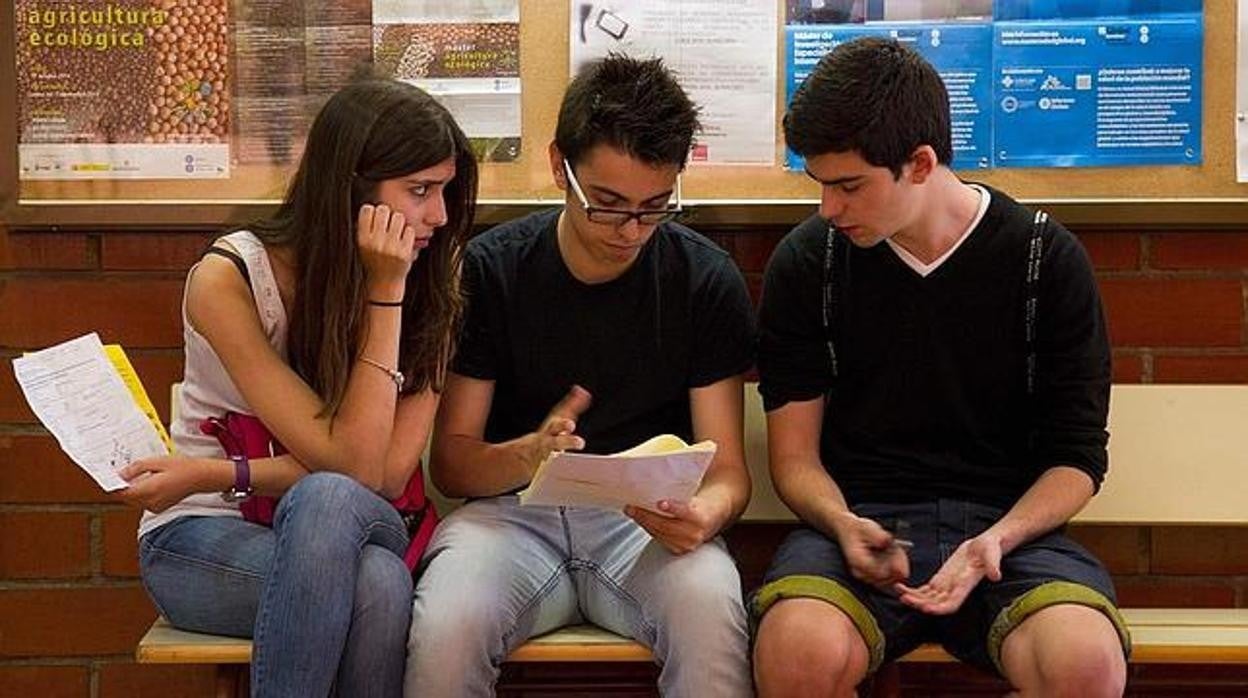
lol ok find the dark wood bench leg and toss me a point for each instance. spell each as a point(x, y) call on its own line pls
point(232, 680)
point(887, 681)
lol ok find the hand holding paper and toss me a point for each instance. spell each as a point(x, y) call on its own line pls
point(158, 483)
point(682, 526)
point(663, 468)
point(81, 398)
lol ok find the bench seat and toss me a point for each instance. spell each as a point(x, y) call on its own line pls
point(1160, 636)
point(165, 644)
point(1165, 636)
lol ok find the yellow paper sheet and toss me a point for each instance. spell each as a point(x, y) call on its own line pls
point(117, 357)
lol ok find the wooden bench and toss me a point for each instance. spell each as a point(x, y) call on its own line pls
point(164, 644)
point(1161, 636)
point(1174, 460)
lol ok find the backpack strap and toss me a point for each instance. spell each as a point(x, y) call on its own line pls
point(1031, 288)
point(831, 296)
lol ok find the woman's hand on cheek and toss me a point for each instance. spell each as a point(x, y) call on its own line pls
point(386, 242)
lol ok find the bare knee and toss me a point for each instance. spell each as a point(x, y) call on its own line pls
point(1094, 673)
point(1067, 651)
point(808, 647)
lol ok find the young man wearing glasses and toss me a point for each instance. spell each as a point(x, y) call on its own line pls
point(935, 367)
point(595, 326)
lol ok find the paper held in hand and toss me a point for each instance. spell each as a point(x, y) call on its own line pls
point(664, 467)
point(90, 398)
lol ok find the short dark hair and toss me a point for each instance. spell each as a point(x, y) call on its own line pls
point(874, 96)
point(633, 105)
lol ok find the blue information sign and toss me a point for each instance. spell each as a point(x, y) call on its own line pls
point(960, 51)
point(1124, 91)
point(1008, 10)
point(1048, 83)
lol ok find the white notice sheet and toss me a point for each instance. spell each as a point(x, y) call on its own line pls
point(723, 52)
point(78, 395)
point(664, 467)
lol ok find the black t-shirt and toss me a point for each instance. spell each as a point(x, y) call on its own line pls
point(930, 396)
point(679, 318)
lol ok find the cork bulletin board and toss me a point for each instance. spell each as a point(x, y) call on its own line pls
point(1206, 194)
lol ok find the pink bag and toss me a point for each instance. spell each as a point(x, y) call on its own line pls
point(244, 434)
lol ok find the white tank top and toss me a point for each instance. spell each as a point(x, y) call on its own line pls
point(207, 390)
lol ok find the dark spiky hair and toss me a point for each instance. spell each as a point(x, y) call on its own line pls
point(633, 105)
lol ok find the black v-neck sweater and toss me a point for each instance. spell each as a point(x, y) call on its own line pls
point(930, 397)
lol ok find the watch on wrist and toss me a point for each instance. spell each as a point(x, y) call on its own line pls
point(242, 480)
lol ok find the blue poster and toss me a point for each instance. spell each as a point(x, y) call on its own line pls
point(1095, 92)
point(1012, 10)
point(859, 11)
point(1048, 83)
point(960, 51)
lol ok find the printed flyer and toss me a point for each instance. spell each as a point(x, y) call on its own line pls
point(1098, 82)
point(122, 89)
point(290, 57)
point(465, 54)
point(1037, 83)
point(954, 35)
point(723, 53)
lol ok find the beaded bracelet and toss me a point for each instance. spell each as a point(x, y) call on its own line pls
point(395, 375)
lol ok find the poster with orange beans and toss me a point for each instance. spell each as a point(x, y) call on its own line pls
point(123, 89)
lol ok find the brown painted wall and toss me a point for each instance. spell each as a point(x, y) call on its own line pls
point(72, 608)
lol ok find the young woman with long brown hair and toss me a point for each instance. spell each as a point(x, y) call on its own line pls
point(331, 322)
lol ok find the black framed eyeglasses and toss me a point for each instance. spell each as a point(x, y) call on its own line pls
point(619, 217)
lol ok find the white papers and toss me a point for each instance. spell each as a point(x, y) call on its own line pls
point(78, 395)
point(723, 52)
point(664, 467)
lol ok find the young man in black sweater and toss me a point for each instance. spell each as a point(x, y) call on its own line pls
point(935, 369)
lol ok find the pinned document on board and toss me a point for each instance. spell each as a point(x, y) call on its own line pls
point(662, 468)
point(88, 396)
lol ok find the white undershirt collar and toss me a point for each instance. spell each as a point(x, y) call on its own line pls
point(923, 269)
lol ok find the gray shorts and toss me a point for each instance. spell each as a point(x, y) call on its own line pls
point(1050, 570)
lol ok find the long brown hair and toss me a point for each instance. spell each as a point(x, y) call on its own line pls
point(369, 131)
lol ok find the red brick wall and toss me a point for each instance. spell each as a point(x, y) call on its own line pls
point(72, 608)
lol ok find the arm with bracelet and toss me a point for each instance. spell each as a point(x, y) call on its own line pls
point(357, 436)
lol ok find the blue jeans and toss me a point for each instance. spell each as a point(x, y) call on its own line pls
point(497, 574)
point(324, 593)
